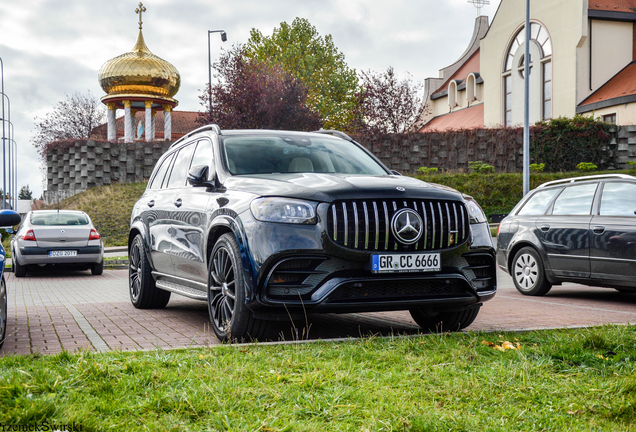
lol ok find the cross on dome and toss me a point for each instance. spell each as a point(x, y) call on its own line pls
point(140, 10)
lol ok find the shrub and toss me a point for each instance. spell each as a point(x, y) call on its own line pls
point(480, 167)
point(586, 166)
point(427, 170)
point(561, 141)
point(631, 163)
point(537, 167)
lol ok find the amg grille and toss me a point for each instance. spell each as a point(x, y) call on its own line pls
point(366, 224)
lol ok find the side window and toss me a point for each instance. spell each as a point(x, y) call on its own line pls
point(538, 203)
point(203, 154)
point(618, 199)
point(157, 180)
point(180, 168)
point(575, 200)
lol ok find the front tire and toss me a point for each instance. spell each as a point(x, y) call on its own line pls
point(144, 293)
point(444, 321)
point(231, 319)
point(528, 273)
point(3, 311)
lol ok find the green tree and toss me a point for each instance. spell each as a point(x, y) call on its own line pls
point(25, 193)
point(316, 61)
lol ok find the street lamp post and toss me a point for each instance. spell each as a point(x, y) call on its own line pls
point(4, 161)
point(526, 106)
point(8, 191)
point(223, 38)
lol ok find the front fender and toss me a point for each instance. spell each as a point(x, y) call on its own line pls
point(225, 222)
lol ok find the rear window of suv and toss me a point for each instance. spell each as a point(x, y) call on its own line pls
point(59, 218)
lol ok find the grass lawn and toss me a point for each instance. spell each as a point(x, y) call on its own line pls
point(574, 380)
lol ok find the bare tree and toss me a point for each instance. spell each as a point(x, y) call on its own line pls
point(389, 105)
point(73, 118)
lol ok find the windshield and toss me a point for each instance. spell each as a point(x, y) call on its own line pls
point(59, 218)
point(294, 154)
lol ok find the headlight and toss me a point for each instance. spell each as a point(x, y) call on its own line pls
point(284, 210)
point(475, 212)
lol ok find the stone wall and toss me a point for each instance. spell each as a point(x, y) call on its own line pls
point(76, 166)
point(500, 148)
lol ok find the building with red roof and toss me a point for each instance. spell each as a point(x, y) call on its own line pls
point(582, 61)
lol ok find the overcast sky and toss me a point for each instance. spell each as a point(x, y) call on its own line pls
point(51, 48)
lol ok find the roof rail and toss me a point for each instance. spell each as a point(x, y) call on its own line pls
point(212, 126)
point(585, 178)
point(334, 133)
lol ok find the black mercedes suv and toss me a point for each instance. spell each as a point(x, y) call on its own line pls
point(271, 225)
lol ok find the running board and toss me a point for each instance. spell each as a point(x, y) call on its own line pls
point(182, 290)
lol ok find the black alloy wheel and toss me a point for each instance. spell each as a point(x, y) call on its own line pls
point(444, 321)
point(144, 293)
point(231, 319)
point(528, 273)
point(3, 311)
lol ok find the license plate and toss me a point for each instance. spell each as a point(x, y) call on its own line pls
point(63, 253)
point(406, 263)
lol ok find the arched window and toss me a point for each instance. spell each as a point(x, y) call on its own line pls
point(471, 89)
point(540, 76)
point(452, 94)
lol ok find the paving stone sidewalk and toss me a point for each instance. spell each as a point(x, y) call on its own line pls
point(50, 312)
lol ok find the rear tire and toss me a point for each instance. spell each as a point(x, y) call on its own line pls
point(231, 319)
point(444, 321)
point(18, 270)
point(97, 269)
point(528, 273)
point(144, 293)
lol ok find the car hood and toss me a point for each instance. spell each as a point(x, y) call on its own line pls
point(330, 187)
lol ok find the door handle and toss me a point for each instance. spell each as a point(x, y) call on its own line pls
point(151, 203)
point(598, 229)
point(178, 202)
point(545, 228)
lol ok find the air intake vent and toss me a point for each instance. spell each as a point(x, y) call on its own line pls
point(366, 224)
point(289, 277)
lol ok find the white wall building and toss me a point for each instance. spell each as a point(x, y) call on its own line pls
point(582, 60)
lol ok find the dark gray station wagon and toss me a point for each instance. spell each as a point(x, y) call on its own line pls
point(579, 230)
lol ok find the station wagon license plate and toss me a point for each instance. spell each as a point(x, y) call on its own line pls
point(63, 253)
point(406, 263)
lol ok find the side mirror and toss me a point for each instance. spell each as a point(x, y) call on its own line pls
point(394, 172)
point(9, 218)
point(9, 230)
point(198, 177)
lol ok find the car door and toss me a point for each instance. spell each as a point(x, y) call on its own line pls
point(191, 219)
point(613, 235)
point(156, 207)
point(564, 231)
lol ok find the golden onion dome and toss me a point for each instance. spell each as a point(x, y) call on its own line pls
point(139, 72)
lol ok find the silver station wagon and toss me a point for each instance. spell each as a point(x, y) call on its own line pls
point(63, 238)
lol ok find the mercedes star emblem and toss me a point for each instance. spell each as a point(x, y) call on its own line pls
point(407, 226)
point(62, 232)
point(400, 188)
